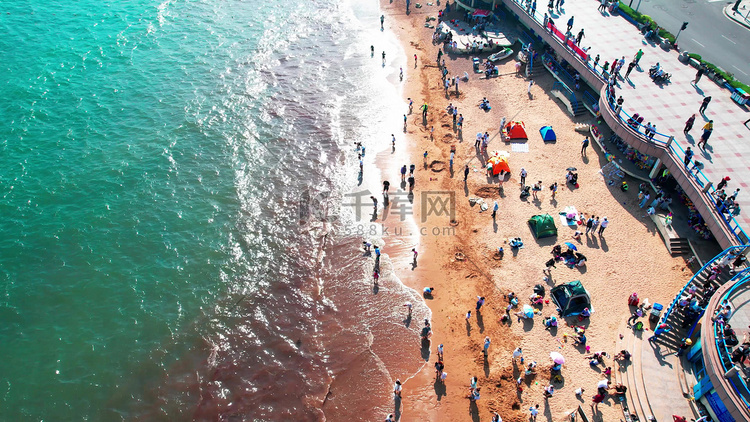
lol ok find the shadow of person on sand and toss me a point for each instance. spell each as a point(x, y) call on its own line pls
point(486, 367)
point(468, 328)
point(480, 321)
point(474, 411)
point(440, 389)
point(603, 241)
point(397, 408)
point(425, 350)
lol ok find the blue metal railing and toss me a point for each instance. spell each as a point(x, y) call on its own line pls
point(676, 149)
point(721, 346)
point(592, 102)
point(707, 265)
point(569, 94)
point(559, 70)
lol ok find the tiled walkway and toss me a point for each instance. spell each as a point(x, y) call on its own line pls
point(669, 106)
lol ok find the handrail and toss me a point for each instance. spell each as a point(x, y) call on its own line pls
point(588, 98)
point(569, 94)
point(721, 344)
point(707, 265)
point(562, 72)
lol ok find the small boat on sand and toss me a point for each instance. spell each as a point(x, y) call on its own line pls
point(500, 55)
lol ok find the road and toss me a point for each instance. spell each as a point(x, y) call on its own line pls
point(715, 37)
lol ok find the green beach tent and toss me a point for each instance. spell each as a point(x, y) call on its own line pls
point(571, 298)
point(543, 226)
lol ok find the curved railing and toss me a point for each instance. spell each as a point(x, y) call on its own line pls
point(668, 143)
point(742, 390)
point(706, 266)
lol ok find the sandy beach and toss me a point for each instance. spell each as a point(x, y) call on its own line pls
point(459, 259)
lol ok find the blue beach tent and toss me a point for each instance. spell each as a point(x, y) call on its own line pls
point(548, 135)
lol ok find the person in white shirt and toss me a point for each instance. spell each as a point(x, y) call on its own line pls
point(534, 410)
point(397, 388)
point(603, 225)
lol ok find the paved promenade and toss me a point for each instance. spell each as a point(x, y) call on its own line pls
point(668, 106)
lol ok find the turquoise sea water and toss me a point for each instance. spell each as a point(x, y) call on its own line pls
point(152, 156)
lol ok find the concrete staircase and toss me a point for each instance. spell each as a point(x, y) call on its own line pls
point(676, 319)
point(679, 246)
point(631, 375)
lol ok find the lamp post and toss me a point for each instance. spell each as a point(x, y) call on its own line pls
point(684, 25)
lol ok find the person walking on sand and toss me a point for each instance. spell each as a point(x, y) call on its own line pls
point(528, 90)
point(603, 225)
point(494, 210)
point(517, 354)
point(523, 177)
point(440, 351)
point(382, 20)
point(411, 183)
point(704, 105)
point(468, 316)
point(689, 124)
point(584, 145)
point(383, 58)
point(553, 188)
point(480, 302)
point(397, 388)
point(688, 156)
point(408, 306)
point(415, 253)
point(466, 173)
point(415, 61)
point(424, 110)
point(589, 224)
point(403, 171)
point(535, 189)
point(534, 410)
point(548, 266)
point(486, 345)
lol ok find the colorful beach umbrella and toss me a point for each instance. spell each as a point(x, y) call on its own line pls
point(571, 246)
point(528, 311)
point(557, 358)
